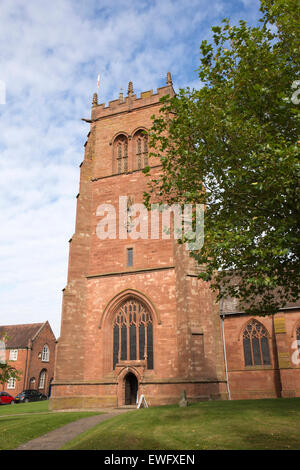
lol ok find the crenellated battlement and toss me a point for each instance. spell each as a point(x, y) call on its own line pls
point(131, 101)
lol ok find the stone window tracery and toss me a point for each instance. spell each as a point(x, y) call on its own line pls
point(256, 344)
point(298, 338)
point(141, 149)
point(133, 333)
point(121, 154)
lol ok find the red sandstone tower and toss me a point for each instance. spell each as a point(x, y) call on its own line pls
point(135, 318)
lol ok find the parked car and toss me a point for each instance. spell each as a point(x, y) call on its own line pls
point(29, 395)
point(6, 399)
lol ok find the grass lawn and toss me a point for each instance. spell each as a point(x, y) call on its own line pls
point(20, 408)
point(246, 424)
point(21, 423)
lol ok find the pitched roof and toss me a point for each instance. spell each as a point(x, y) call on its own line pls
point(20, 335)
point(231, 306)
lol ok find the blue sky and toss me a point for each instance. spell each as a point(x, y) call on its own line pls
point(50, 56)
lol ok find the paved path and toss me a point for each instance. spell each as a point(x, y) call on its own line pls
point(55, 439)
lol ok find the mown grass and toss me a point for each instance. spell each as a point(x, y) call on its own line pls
point(248, 424)
point(23, 422)
point(20, 408)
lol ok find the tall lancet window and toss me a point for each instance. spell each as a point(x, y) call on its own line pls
point(298, 339)
point(146, 157)
point(133, 333)
point(119, 157)
point(141, 149)
point(121, 154)
point(139, 152)
point(125, 156)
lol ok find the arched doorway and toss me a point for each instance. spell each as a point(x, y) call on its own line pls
point(131, 389)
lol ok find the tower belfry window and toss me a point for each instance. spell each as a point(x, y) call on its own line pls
point(146, 150)
point(139, 153)
point(125, 156)
point(141, 149)
point(121, 154)
point(119, 157)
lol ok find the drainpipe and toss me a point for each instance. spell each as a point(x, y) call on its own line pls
point(28, 357)
point(224, 348)
point(25, 372)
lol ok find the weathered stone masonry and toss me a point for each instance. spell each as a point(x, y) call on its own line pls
point(105, 352)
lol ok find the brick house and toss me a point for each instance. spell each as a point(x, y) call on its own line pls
point(135, 317)
point(30, 349)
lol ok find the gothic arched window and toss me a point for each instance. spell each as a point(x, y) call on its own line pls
point(133, 333)
point(42, 379)
point(298, 338)
point(141, 149)
point(121, 154)
point(256, 344)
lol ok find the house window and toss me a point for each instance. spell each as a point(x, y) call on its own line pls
point(13, 355)
point(133, 333)
point(11, 384)
point(129, 257)
point(45, 353)
point(42, 379)
point(256, 344)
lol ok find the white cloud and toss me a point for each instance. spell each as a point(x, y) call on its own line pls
point(50, 57)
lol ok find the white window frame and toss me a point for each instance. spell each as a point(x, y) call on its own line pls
point(42, 380)
point(11, 384)
point(45, 353)
point(13, 355)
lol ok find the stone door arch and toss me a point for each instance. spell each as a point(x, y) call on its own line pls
point(130, 389)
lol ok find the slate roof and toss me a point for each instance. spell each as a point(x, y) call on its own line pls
point(231, 306)
point(20, 335)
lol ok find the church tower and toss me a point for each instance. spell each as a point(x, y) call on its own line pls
point(135, 318)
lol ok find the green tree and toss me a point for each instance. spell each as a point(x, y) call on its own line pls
point(232, 145)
